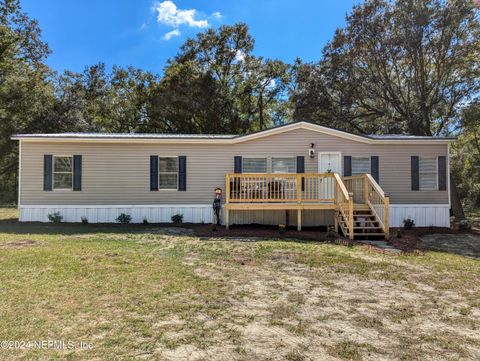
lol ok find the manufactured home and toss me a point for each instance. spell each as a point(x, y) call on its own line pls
point(300, 173)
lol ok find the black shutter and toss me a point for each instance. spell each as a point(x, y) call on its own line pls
point(442, 173)
point(47, 172)
point(301, 168)
point(415, 173)
point(154, 172)
point(182, 173)
point(347, 166)
point(374, 167)
point(77, 172)
point(237, 166)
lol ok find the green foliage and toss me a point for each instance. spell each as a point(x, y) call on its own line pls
point(26, 95)
point(399, 233)
point(464, 225)
point(397, 67)
point(124, 218)
point(177, 218)
point(466, 157)
point(55, 217)
point(408, 223)
point(84, 220)
point(216, 85)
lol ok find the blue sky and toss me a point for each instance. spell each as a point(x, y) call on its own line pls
point(134, 32)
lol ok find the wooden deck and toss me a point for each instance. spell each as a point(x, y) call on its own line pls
point(359, 203)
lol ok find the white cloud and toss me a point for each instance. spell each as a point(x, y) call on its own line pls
point(169, 14)
point(217, 15)
point(171, 34)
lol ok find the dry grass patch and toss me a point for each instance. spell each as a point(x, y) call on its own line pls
point(144, 293)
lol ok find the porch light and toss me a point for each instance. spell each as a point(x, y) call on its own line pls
point(311, 151)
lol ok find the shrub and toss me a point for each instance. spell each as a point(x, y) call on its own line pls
point(55, 217)
point(408, 223)
point(124, 218)
point(177, 218)
point(464, 225)
point(84, 220)
point(145, 220)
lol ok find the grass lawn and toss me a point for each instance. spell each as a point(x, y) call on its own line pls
point(140, 292)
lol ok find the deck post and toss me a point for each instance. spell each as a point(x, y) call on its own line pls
point(227, 201)
point(299, 219)
point(299, 201)
point(387, 216)
point(365, 189)
point(299, 188)
point(350, 215)
point(227, 217)
point(336, 221)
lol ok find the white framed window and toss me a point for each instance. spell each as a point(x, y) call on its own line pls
point(360, 165)
point(254, 165)
point(428, 173)
point(168, 173)
point(284, 165)
point(62, 172)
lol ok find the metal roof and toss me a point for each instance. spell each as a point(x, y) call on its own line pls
point(404, 136)
point(127, 135)
point(227, 138)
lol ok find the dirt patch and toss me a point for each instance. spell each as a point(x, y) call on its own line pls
point(169, 231)
point(463, 244)
point(20, 244)
point(260, 231)
point(420, 239)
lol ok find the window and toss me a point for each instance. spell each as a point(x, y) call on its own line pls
point(284, 165)
point(254, 165)
point(62, 173)
point(360, 165)
point(427, 168)
point(168, 172)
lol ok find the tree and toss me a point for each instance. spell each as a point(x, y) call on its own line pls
point(398, 66)
point(26, 94)
point(216, 85)
point(466, 156)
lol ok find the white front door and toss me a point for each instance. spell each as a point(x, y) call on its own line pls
point(329, 162)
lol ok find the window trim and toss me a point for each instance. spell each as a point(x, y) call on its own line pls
point(369, 163)
point(253, 157)
point(294, 164)
point(53, 173)
point(420, 174)
point(159, 172)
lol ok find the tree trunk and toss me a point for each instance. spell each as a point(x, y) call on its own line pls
point(457, 208)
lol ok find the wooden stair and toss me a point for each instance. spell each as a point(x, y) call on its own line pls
point(365, 223)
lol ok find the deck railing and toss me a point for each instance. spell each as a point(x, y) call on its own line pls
point(281, 187)
point(299, 189)
point(344, 201)
point(367, 191)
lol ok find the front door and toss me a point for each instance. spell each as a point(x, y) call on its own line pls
point(329, 162)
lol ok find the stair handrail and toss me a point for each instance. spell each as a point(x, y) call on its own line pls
point(381, 209)
point(344, 203)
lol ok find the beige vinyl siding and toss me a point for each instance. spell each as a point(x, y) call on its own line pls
point(119, 173)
